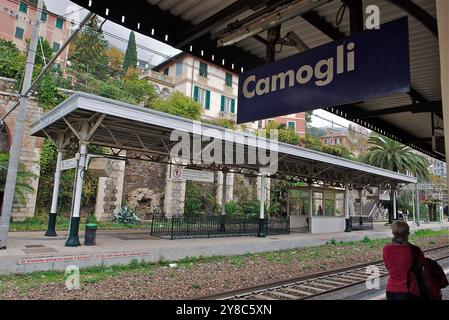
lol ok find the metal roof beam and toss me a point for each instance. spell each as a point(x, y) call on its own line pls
point(228, 13)
point(321, 24)
point(429, 21)
point(432, 106)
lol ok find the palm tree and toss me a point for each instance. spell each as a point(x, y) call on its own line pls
point(389, 154)
point(21, 185)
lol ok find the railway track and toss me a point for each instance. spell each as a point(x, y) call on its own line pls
point(314, 285)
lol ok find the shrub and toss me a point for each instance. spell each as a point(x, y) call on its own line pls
point(232, 208)
point(126, 215)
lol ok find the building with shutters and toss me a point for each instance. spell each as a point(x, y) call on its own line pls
point(16, 25)
point(214, 87)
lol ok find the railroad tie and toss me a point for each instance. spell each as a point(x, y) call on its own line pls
point(296, 291)
point(283, 295)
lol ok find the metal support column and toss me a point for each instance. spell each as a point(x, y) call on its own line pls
point(347, 213)
point(51, 230)
point(418, 218)
point(223, 202)
point(273, 36)
point(262, 220)
point(73, 240)
point(395, 211)
point(19, 131)
point(361, 208)
point(414, 206)
point(442, 7)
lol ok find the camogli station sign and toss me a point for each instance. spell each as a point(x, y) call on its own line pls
point(364, 66)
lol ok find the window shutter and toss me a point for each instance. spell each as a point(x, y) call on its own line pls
point(195, 93)
point(208, 100)
point(222, 109)
point(233, 106)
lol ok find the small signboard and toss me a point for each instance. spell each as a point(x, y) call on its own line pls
point(384, 197)
point(361, 67)
point(69, 164)
point(182, 174)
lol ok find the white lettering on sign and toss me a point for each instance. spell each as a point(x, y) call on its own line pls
point(323, 72)
point(52, 259)
point(69, 164)
point(182, 174)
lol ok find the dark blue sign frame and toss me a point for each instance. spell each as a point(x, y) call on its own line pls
point(367, 65)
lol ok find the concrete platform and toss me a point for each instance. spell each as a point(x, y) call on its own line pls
point(31, 251)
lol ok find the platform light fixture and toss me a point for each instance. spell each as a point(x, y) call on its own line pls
point(269, 20)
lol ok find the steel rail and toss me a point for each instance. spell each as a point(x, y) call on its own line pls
point(318, 284)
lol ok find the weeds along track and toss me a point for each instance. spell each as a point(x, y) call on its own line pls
point(302, 288)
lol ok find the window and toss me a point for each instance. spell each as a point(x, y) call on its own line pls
point(202, 96)
point(299, 202)
point(339, 204)
point(44, 16)
point(203, 69)
point(23, 7)
point(228, 80)
point(56, 46)
point(227, 104)
point(19, 33)
point(178, 68)
point(59, 23)
point(166, 71)
point(317, 203)
point(165, 92)
point(292, 125)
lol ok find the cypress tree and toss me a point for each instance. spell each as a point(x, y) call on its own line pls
point(131, 53)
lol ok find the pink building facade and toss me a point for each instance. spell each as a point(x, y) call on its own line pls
point(16, 25)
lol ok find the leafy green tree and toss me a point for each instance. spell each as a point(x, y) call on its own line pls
point(48, 95)
point(88, 52)
point(285, 135)
point(22, 185)
point(337, 150)
point(311, 143)
point(116, 58)
point(44, 52)
point(130, 60)
point(389, 154)
point(180, 105)
point(12, 61)
point(141, 90)
point(224, 123)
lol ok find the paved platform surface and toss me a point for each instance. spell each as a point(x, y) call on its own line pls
point(31, 251)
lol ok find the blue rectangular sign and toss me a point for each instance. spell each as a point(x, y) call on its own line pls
point(364, 66)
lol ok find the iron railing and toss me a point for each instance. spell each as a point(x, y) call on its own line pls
point(362, 223)
point(215, 227)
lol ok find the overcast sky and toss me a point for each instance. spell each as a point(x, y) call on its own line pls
point(65, 7)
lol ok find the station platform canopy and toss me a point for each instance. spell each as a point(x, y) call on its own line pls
point(197, 27)
point(146, 134)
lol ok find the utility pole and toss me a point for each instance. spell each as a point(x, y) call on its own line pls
point(16, 148)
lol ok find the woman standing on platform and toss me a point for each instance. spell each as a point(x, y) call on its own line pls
point(399, 260)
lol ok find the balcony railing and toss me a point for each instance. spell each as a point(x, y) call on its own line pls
point(159, 76)
point(228, 116)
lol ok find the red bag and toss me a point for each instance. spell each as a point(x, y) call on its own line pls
point(429, 276)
